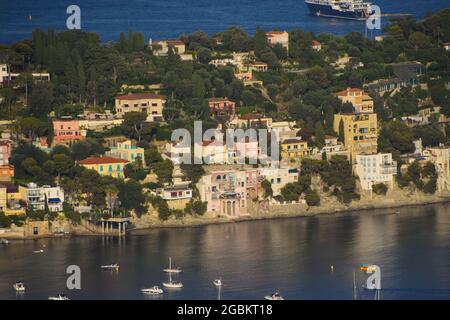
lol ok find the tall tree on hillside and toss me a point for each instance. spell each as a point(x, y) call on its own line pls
point(260, 44)
point(41, 99)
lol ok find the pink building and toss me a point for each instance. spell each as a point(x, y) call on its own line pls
point(281, 37)
point(229, 192)
point(5, 151)
point(248, 149)
point(221, 107)
point(67, 132)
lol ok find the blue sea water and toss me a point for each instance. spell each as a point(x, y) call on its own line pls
point(171, 18)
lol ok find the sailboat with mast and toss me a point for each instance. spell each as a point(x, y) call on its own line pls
point(172, 284)
point(170, 269)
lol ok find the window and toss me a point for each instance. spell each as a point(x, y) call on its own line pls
point(101, 168)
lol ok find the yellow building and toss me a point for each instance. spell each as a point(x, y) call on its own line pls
point(127, 151)
point(360, 100)
point(105, 166)
point(293, 149)
point(150, 103)
point(3, 198)
point(360, 132)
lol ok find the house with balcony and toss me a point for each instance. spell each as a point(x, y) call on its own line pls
point(37, 197)
point(105, 166)
point(177, 195)
point(375, 168)
point(361, 101)
point(126, 150)
point(294, 149)
point(6, 169)
point(67, 132)
point(229, 192)
point(150, 103)
point(258, 66)
point(222, 107)
point(279, 177)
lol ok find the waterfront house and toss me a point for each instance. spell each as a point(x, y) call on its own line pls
point(128, 151)
point(229, 192)
point(36, 228)
point(105, 166)
point(67, 132)
point(375, 168)
point(39, 197)
point(440, 157)
point(279, 177)
point(177, 196)
point(278, 37)
point(149, 103)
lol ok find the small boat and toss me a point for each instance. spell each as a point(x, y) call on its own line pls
point(4, 241)
point(19, 286)
point(170, 269)
point(114, 266)
point(368, 268)
point(172, 284)
point(60, 296)
point(152, 290)
point(217, 282)
point(274, 296)
point(38, 251)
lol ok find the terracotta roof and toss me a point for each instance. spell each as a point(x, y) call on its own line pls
point(316, 43)
point(101, 160)
point(175, 42)
point(274, 32)
point(139, 96)
point(219, 99)
point(345, 92)
point(293, 140)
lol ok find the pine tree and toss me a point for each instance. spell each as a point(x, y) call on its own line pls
point(122, 42)
point(81, 85)
point(260, 44)
point(341, 131)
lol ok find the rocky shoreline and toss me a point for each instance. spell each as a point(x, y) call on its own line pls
point(151, 221)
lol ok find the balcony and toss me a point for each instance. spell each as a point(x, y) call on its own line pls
point(389, 168)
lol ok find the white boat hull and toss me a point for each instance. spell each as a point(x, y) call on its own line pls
point(172, 270)
point(173, 285)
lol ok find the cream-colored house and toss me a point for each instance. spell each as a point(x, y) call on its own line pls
point(150, 103)
point(127, 151)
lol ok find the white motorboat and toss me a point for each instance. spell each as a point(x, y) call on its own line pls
point(170, 269)
point(152, 290)
point(114, 267)
point(4, 241)
point(38, 251)
point(60, 296)
point(274, 296)
point(217, 282)
point(19, 286)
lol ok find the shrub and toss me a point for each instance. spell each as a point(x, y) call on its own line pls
point(380, 188)
point(312, 198)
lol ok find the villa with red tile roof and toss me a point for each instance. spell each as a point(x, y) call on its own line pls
point(105, 166)
point(278, 37)
point(222, 107)
point(161, 47)
point(316, 45)
point(360, 100)
point(150, 103)
point(67, 132)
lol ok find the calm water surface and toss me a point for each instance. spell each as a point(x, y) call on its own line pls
point(171, 18)
point(252, 258)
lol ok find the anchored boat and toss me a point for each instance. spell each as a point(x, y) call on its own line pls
point(170, 269)
point(153, 290)
point(19, 286)
point(274, 296)
point(60, 296)
point(114, 267)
